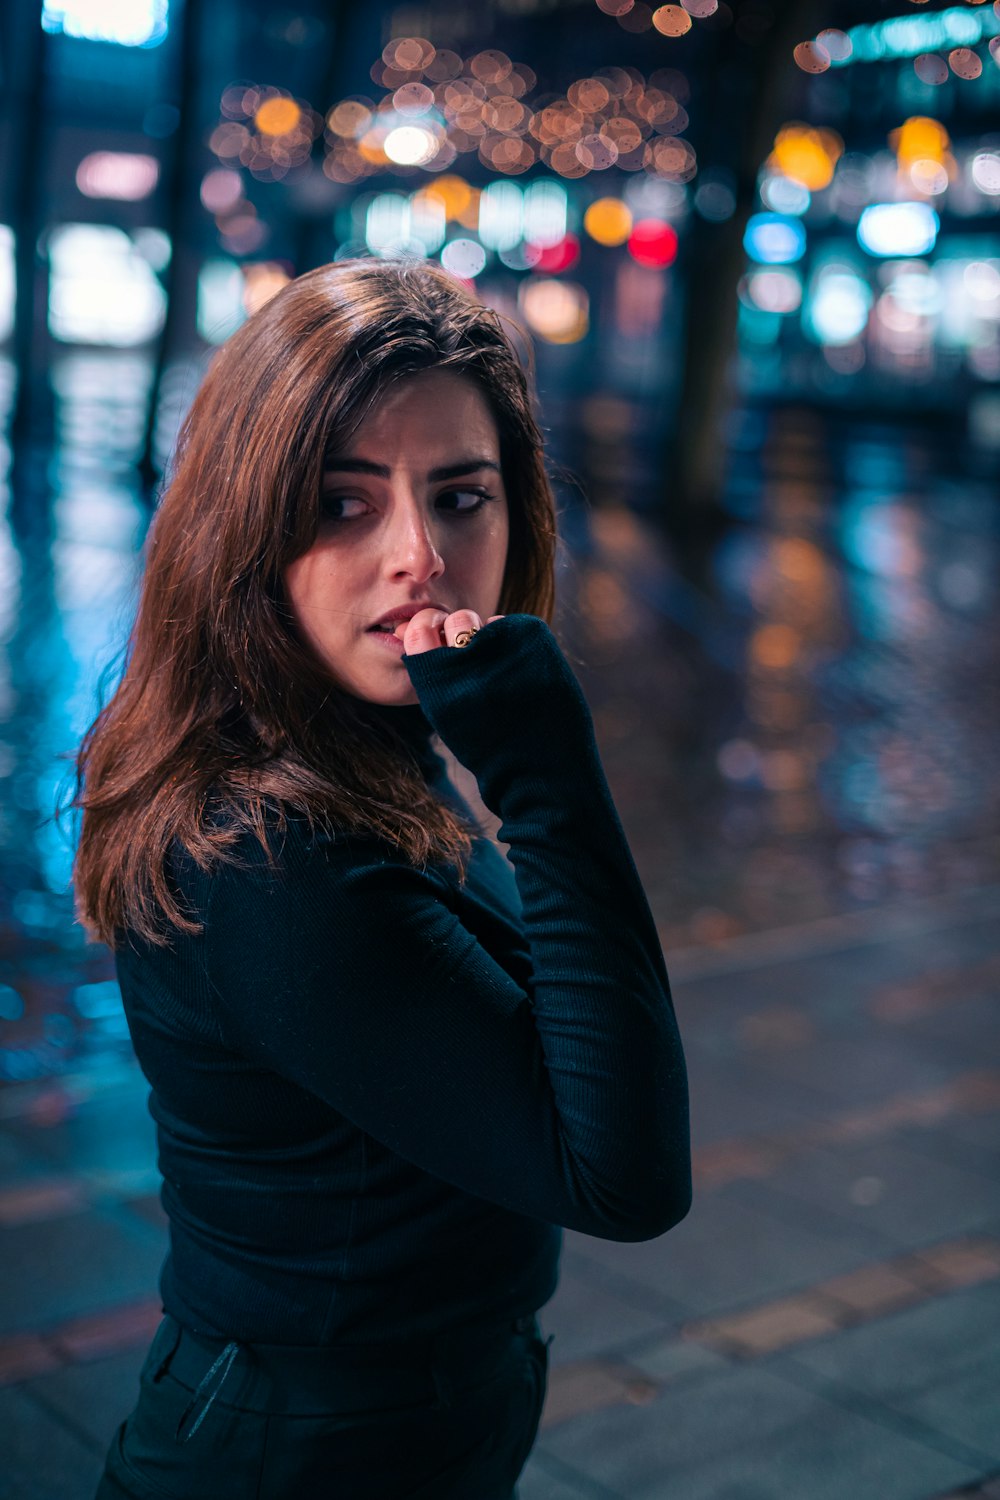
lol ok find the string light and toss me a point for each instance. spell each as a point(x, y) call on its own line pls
point(437, 107)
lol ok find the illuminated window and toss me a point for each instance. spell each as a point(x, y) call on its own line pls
point(117, 174)
point(6, 282)
point(129, 23)
point(221, 309)
point(774, 239)
point(501, 210)
point(898, 229)
point(102, 289)
point(545, 212)
point(836, 311)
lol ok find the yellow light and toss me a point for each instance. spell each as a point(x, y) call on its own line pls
point(370, 148)
point(468, 216)
point(453, 192)
point(277, 116)
point(774, 646)
point(262, 282)
point(806, 155)
point(558, 311)
point(919, 138)
point(608, 221)
point(349, 118)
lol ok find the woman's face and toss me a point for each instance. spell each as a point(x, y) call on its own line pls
point(413, 514)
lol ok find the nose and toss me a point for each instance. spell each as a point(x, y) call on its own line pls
point(411, 546)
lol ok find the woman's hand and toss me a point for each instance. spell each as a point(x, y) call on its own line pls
point(431, 628)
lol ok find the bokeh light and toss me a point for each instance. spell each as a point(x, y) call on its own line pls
point(774, 239)
point(965, 63)
point(262, 281)
point(836, 44)
point(806, 154)
point(463, 258)
point(545, 213)
point(930, 67)
point(123, 175)
point(277, 116)
point(562, 256)
point(409, 145)
point(653, 243)
point(672, 20)
point(985, 172)
point(898, 229)
point(221, 189)
point(811, 57)
point(129, 23)
point(836, 310)
point(608, 221)
point(558, 311)
point(776, 291)
point(784, 195)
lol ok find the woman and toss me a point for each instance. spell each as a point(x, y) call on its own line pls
point(388, 1065)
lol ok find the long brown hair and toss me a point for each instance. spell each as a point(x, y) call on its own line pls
point(221, 700)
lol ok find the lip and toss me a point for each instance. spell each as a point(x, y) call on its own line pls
point(404, 612)
point(392, 642)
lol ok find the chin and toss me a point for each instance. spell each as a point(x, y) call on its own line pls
point(392, 697)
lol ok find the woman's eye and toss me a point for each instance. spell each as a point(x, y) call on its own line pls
point(479, 496)
point(455, 501)
point(330, 504)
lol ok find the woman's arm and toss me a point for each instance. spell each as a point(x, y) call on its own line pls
point(351, 974)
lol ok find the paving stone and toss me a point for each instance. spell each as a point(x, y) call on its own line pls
point(858, 1070)
point(591, 1384)
point(965, 1406)
point(93, 1397)
point(751, 1435)
point(25, 1354)
point(728, 1102)
point(124, 1327)
point(909, 1197)
point(875, 1290)
point(43, 1459)
point(588, 1318)
point(64, 1268)
point(535, 1484)
point(728, 1255)
point(963, 1262)
point(677, 1359)
point(910, 1350)
point(111, 1130)
point(43, 1198)
point(762, 1329)
point(828, 1458)
point(971, 1141)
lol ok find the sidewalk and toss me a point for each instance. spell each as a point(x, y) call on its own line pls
point(822, 1326)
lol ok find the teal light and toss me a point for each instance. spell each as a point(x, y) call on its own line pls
point(908, 36)
point(128, 23)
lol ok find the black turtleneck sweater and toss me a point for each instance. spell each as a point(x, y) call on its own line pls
point(380, 1095)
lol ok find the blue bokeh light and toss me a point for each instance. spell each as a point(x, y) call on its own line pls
point(774, 239)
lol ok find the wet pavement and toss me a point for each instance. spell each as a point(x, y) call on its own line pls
point(800, 746)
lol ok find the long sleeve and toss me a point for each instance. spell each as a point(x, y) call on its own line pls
point(561, 1096)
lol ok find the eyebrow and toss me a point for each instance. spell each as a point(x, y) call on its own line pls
point(448, 471)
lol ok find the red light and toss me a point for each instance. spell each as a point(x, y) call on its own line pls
point(561, 256)
point(653, 243)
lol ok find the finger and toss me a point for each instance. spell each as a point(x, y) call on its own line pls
point(423, 632)
point(462, 619)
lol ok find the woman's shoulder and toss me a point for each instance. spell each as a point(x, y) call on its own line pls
point(273, 842)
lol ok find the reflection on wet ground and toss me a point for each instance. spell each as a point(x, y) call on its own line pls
point(809, 736)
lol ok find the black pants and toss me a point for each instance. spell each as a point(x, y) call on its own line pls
point(453, 1418)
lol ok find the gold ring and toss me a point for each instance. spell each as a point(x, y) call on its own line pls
point(465, 636)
